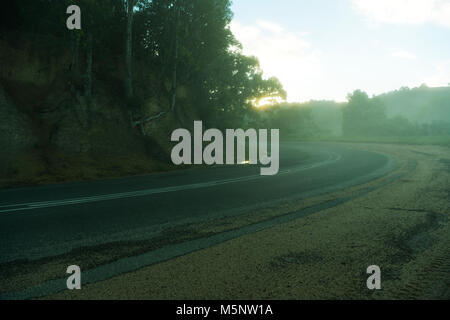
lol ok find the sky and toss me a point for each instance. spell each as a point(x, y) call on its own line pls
point(325, 49)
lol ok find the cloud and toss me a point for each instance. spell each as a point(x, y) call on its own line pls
point(412, 12)
point(270, 26)
point(403, 54)
point(284, 54)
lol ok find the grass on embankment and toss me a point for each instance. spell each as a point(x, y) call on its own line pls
point(409, 140)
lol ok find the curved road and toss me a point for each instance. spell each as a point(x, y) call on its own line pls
point(45, 221)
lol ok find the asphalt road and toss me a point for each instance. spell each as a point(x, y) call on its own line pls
point(45, 221)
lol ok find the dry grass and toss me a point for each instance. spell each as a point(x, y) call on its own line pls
point(32, 168)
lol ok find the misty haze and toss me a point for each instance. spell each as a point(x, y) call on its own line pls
point(116, 163)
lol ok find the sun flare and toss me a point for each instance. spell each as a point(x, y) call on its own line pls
point(266, 102)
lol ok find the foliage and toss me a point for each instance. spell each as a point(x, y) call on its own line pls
point(220, 81)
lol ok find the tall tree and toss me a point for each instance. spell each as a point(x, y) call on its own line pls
point(89, 57)
point(173, 94)
point(363, 116)
point(129, 4)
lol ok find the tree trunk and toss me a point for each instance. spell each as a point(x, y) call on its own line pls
point(88, 79)
point(173, 96)
point(129, 50)
point(174, 77)
point(73, 74)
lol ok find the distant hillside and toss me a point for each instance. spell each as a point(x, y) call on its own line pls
point(419, 105)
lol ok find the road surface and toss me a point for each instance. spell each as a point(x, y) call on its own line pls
point(46, 221)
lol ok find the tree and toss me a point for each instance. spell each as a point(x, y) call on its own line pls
point(363, 116)
point(173, 95)
point(129, 5)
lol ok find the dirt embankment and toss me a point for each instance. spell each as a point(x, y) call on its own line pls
point(51, 133)
point(402, 226)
